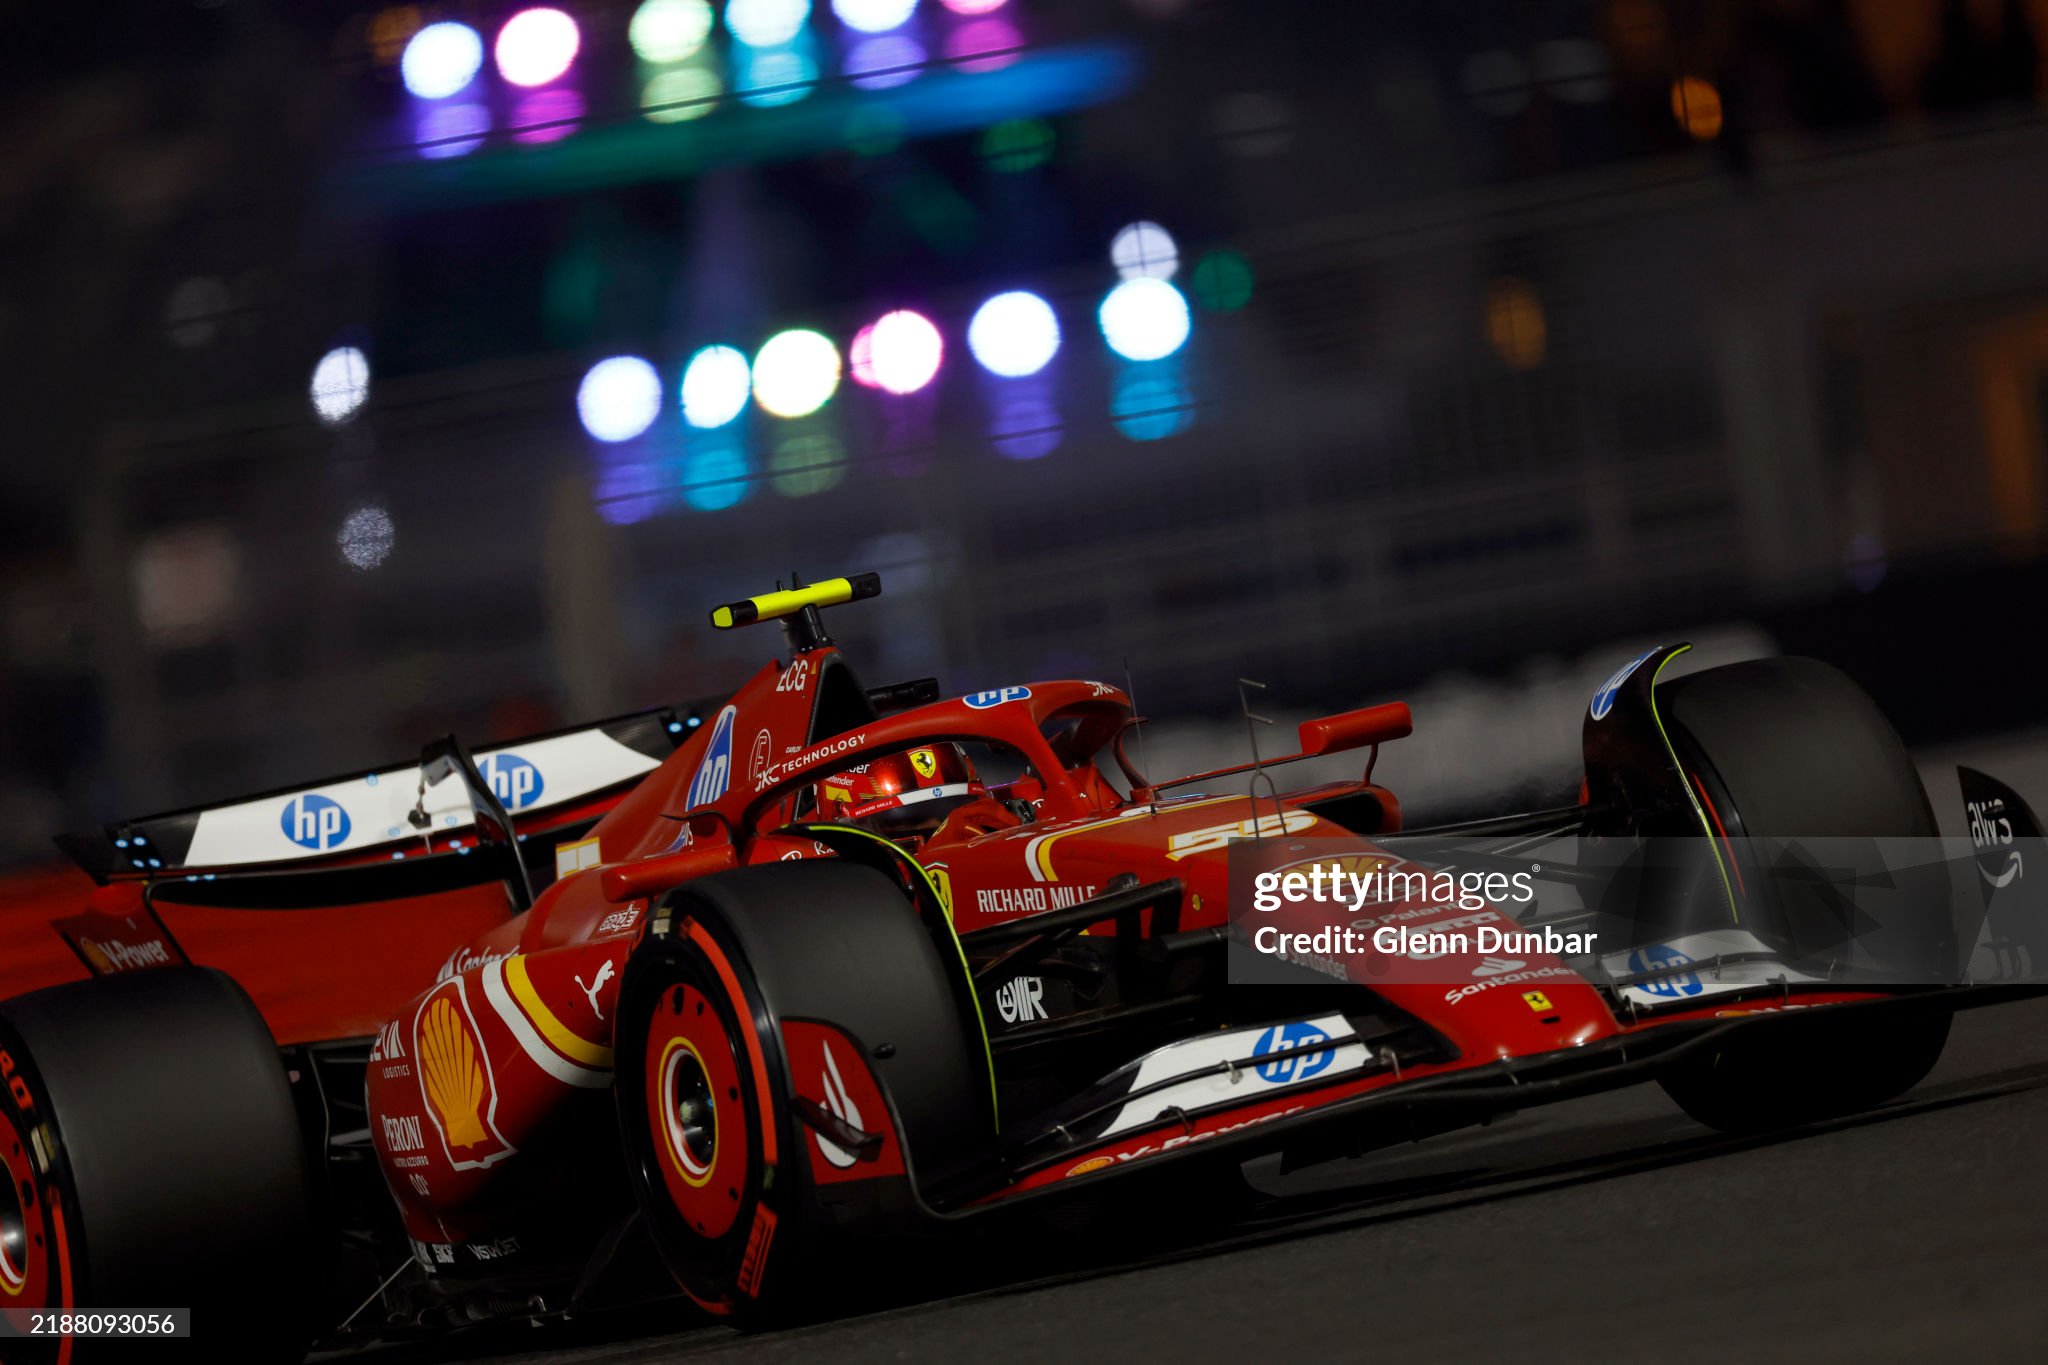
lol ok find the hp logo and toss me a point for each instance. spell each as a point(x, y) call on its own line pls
point(1659, 958)
point(1284, 1044)
point(714, 770)
point(515, 782)
point(314, 821)
point(981, 701)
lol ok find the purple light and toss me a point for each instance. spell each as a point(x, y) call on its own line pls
point(974, 6)
point(536, 46)
point(984, 45)
point(546, 115)
point(886, 62)
point(446, 130)
point(1025, 427)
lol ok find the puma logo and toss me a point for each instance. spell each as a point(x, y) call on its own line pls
point(604, 974)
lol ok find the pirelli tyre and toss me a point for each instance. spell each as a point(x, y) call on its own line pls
point(1790, 747)
point(153, 1160)
point(791, 1057)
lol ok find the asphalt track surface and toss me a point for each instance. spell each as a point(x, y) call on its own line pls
point(1606, 1227)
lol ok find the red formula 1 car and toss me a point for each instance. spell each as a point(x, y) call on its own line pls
point(722, 991)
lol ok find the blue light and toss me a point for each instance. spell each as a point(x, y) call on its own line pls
point(1014, 334)
point(1145, 319)
point(764, 23)
point(715, 473)
point(675, 727)
point(696, 721)
point(120, 843)
point(716, 385)
point(1151, 402)
point(765, 77)
point(441, 59)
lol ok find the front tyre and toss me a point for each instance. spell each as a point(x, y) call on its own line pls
point(766, 1007)
point(1791, 747)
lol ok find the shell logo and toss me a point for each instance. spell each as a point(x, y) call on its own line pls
point(455, 1077)
point(1091, 1165)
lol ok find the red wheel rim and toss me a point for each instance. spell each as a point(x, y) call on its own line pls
point(25, 1255)
point(695, 1111)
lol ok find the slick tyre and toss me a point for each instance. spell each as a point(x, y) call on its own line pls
point(153, 1159)
point(1790, 747)
point(723, 1010)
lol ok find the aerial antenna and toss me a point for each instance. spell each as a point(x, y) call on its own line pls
point(1138, 723)
point(1252, 721)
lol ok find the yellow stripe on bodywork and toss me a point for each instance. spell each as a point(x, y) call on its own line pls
point(554, 1030)
point(967, 973)
point(1699, 812)
point(1039, 850)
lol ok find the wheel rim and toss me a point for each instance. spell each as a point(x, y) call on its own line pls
point(691, 1118)
point(695, 1112)
point(24, 1256)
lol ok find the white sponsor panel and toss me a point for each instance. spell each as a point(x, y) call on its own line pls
point(366, 812)
point(1687, 971)
point(1272, 1058)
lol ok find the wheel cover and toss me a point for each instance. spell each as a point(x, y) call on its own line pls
point(695, 1111)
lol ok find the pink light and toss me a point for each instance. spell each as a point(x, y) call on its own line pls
point(904, 351)
point(984, 45)
point(974, 6)
point(536, 46)
point(546, 115)
point(860, 358)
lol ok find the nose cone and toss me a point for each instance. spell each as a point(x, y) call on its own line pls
point(1514, 1014)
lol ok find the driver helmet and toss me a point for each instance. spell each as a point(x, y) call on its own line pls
point(903, 794)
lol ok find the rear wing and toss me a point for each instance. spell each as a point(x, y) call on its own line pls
point(392, 812)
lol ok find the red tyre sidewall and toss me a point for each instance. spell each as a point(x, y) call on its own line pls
point(721, 1223)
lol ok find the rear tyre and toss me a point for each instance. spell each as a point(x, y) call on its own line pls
point(1792, 747)
point(154, 1160)
point(725, 1168)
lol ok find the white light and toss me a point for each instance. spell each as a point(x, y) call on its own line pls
point(669, 30)
point(874, 16)
point(796, 373)
point(904, 351)
point(441, 59)
point(536, 46)
point(1145, 319)
point(1014, 334)
point(619, 398)
point(765, 23)
point(341, 381)
point(1144, 251)
point(716, 384)
point(365, 537)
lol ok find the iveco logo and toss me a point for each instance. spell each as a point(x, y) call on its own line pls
point(314, 821)
point(513, 780)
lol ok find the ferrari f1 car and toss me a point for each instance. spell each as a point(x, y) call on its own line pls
point(749, 994)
